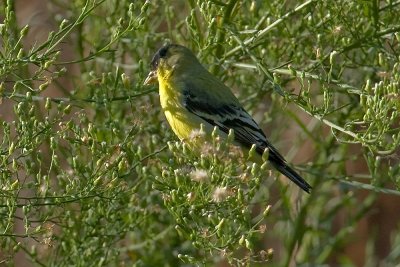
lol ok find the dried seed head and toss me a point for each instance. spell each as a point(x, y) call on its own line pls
point(220, 194)
point(199, 175)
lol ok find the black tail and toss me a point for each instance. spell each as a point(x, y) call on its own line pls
point(283, 168)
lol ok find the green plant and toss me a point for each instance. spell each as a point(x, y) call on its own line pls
point(95, 177)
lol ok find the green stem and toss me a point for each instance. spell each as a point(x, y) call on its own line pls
point(77, 100)
point(221, 33)
point(262, 33)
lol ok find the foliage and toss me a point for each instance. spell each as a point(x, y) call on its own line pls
point(95, 177)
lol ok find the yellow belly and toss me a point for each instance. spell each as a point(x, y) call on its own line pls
point(187, 125)
point(182, 122)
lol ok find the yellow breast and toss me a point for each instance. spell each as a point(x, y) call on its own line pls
point(181, 121)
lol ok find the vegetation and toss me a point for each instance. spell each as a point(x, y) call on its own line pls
point(91, 174)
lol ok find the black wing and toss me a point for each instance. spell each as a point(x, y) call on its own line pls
point(247, 132)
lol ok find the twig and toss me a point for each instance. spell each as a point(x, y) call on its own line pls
point(263, 32)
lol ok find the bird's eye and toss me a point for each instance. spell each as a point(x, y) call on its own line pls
point(163, 51)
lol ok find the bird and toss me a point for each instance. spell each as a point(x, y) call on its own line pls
point(191, 97)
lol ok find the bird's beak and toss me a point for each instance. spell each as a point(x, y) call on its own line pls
point(151, 78)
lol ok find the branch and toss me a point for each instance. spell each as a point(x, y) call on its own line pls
point(257, 36)
point(76, 100)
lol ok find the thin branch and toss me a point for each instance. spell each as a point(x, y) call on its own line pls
point(257, 36)
point(77, 100)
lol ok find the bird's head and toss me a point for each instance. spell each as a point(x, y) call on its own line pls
point(169, 59)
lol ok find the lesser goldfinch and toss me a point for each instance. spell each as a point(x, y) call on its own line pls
point(191, 96)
